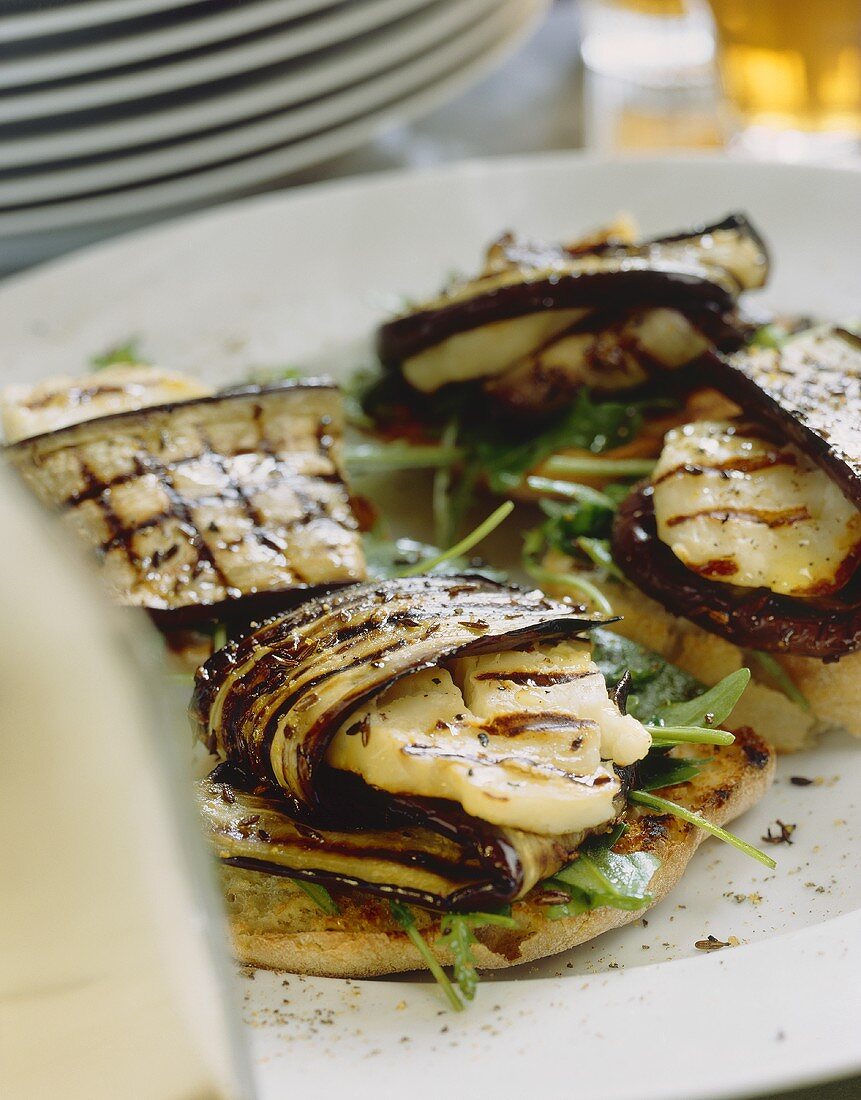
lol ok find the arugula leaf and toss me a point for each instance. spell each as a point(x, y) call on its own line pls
point(654, 682)
point(466, 544)
point(456, 935)
point(660, 770)
point(688, 735)
point(362, 458)
point(709, 709)
point(768, 336)
point(406, 920)
point(665, 806)
point(387, 557)
point(577, 585)
point(590, 425)
point(445, 522)
point(320, 896)
point(122, 353)
point(601, 877)
point(780, 677)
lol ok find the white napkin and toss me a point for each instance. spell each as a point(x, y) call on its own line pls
point(113, 981)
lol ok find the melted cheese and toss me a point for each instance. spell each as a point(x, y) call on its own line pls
point(486, 350)
point(739, 509)
point(524, 739)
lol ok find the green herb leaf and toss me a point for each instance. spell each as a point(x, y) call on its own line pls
point(768, 336)
point(219, 637)
point(573, 582)
point(122, 353)
point(689, 735)
point(663, 805)
point(387, 557)
point(654, 682)
point(568, 490)
point(456, 936)
point(599, 553)
point(320, 896)
point(780, 677)
point(586, 424)
point(465, 545)
point(363, 458)
point(601, 877)
point(659, 770)
point(605, 467)
point(444, 519)
point(405, 919)
point(712, 707)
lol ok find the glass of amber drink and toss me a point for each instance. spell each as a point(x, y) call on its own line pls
point(791, 75)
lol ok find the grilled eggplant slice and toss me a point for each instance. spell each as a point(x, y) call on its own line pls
point(827, 627)
point(192, 504)
point(751, 537)
point(530, 297)
point(418, 851)
point(28, 410)
point(810, 391)
point(439, 702)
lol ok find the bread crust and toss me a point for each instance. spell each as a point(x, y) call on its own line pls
point(275, 925)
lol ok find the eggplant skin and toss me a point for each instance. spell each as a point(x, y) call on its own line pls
point(272, 702)
point(418, 851)
point(810, 390)
point(753, 618)
point(687, 271)
point(197, 503)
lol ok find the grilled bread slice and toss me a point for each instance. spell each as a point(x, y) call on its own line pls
point(276, 925)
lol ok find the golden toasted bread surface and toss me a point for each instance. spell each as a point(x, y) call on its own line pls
point(275, 924)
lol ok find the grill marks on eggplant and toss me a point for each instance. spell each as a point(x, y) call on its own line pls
point(272, 702)
point(289, 685)
point(542, 320)
point(808, 601)
point(206, 500)
point(810, 391)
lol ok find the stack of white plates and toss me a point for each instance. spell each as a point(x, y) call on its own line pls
point(115, 112)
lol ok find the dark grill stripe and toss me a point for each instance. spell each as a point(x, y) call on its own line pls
point(767, 519)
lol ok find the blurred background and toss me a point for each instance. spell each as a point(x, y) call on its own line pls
point(119, 113)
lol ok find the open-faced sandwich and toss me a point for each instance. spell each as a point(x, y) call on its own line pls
point(434, 770)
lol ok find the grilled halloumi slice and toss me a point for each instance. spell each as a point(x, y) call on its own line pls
point(738, 508)
point(29, 410)
point(520, 738)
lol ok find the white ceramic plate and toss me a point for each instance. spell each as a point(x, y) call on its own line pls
point(259, 115)
point(230, 59)
point(67, 17)
point(414, 90)
point(303, 278)
point(200, 28)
